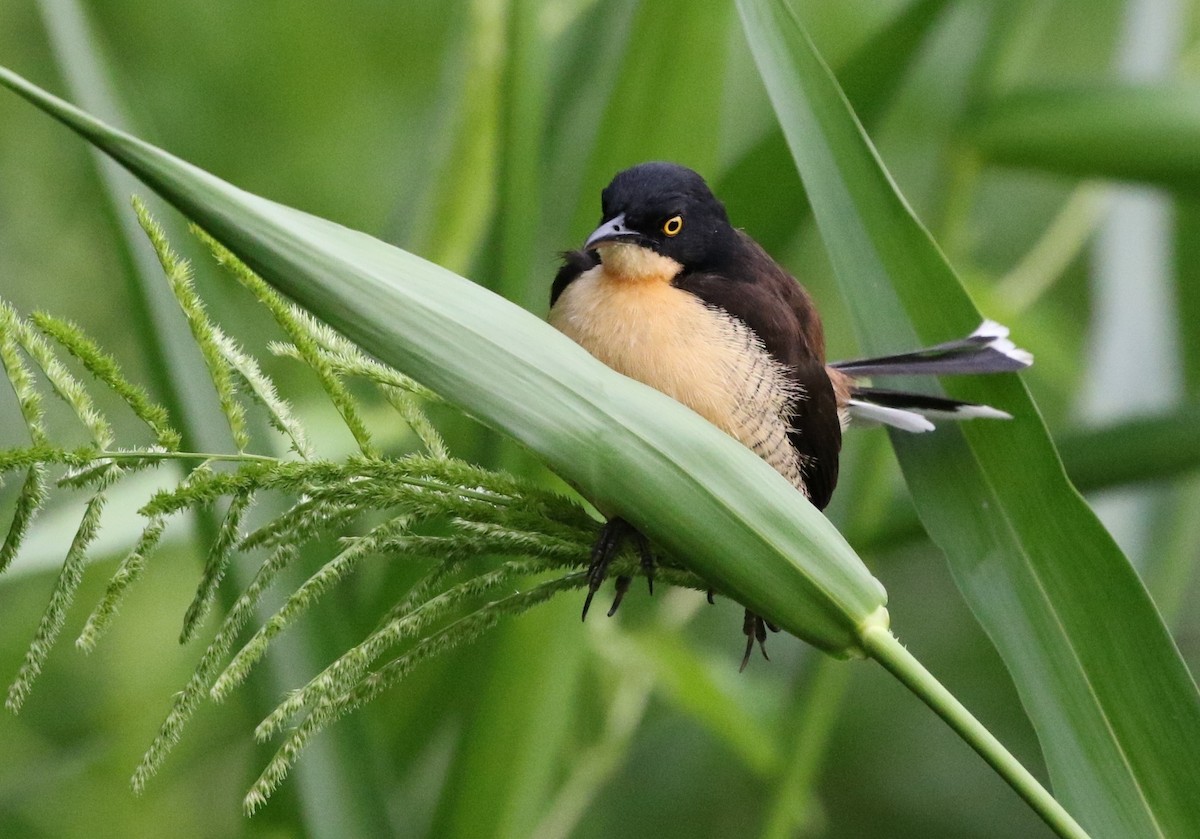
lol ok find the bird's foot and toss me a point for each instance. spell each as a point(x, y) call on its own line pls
point(755, 629)
point(608, 545)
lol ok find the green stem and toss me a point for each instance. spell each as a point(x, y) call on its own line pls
point(154, 455)
point(883, 646)
point(243, 457)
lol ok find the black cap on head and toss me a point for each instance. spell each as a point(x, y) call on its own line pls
point(667, 208)
point(657, 185)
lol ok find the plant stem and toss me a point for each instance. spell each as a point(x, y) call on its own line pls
point(884, 647)
point(156, 455)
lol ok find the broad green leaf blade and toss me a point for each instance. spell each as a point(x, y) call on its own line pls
point(1125, 452)
point(1126, 132)
point(628, 447)
point(1113, 705)
point(870, 80)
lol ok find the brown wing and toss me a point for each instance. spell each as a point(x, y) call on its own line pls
point(769, 301)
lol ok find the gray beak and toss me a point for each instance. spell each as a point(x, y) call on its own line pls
point(612, 230)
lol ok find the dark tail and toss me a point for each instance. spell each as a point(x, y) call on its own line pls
point(986, 350)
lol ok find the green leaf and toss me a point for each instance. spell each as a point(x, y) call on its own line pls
point(1126, 132)
point(1138, 449)
point(1116, 712)
point(870, 79)
point(628, 447)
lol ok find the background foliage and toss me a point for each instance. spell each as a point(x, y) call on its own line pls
point(479, 137)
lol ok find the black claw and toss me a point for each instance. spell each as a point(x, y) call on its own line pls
point(607, 546)
point(709, 596)
point(755, 629)
point(622, 587)
point(646, 558)
point(748, 631)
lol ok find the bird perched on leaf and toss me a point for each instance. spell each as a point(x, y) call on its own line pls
point(668, 292)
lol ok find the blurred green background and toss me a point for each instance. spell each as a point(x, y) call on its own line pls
point(478, 134)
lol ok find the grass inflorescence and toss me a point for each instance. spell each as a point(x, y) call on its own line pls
point(488, 545)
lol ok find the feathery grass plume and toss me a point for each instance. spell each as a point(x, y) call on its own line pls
point(392, 537)
point(65, 587)
point(33, 495)
point(478, 538)
point(521, 529)
point(414, 417)
point(462, 631)
point(219, 555)
point(300, 522)
point(346, 356)
point(417, 484)
point(400, 391)
point(327, 576)
point(69, 389)
point(127, 573)
point(33, 491)
point(189, 698)
point(347, 669)
point(179, 276)
point(44, 454)
point(104, 367)
point(279, 412)
point(20, 376)
point(205, 486)
point(285, 549)
point(284, 314)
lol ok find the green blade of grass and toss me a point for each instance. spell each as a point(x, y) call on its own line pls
point(625, 445)
point(1125, 452)
point(870, 78)
point(1115, 710)
point(1127, 132)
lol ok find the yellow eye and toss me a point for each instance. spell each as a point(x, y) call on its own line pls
point(673, 225)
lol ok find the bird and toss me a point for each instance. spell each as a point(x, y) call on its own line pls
point(668, 292)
